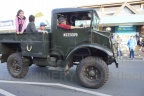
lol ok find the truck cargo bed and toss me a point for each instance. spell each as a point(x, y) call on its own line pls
point(26, 37)
point(30, 44)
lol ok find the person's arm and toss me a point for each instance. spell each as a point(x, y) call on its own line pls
point(24, 26)
point(121, 40)
point(43, 31)
point(75, 27)
point(17, 24)
point(69, 27)
point(33, 28)
point(128, 43)
point(135, 42)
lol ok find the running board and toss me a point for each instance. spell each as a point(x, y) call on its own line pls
point(56, 68)
point(62, 69)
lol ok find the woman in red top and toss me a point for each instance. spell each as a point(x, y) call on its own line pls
point(20, 22)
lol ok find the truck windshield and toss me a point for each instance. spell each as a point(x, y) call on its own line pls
point(95, 22)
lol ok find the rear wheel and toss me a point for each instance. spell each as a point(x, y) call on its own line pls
point(16, 66)
point(92, 72)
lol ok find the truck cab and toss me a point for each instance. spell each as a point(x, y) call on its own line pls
point(81, 42)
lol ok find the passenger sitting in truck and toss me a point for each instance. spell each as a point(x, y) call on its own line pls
point(20, 22)
point(62, 24)
point(42, 27)
point(31, 25)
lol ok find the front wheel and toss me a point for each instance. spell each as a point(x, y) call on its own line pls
point(16, 66)
point(92, 72)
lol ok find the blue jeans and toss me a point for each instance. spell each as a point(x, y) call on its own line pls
point(119, 53)
point(131, 53)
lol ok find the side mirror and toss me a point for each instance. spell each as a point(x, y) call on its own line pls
point(89, 31)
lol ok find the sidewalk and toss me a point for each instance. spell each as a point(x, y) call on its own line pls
point(138, 55)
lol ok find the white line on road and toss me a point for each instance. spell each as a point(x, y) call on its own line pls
point(56, 84)
point(5, 93)
point(131, 60)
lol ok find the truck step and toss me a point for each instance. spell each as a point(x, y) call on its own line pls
point(56, 68)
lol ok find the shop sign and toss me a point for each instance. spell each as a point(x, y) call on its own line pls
point(125, 29)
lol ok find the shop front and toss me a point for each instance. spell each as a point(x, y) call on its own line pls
point(125, 32)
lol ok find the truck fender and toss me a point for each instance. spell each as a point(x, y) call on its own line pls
point(104, 49)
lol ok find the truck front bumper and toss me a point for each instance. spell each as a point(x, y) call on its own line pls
point(112, 59)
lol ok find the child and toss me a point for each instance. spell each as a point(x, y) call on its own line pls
point(42, 26)
point(31, 25)
point(20, 22)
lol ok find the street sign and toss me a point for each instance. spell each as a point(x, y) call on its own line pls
point(6, 23)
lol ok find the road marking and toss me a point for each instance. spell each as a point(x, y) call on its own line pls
point(5, 93)
point(130, 60)
point(56, 84)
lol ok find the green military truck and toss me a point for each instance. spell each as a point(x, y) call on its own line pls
point(87, 48)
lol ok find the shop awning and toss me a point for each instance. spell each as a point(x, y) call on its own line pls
point(122, 20)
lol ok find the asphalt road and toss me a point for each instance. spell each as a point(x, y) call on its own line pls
point(127, 80)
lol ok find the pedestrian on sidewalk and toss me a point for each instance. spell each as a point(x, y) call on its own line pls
point(139, 44)
point(142, 47)
point(119, 47)
point(131, 44)
point(137, 36)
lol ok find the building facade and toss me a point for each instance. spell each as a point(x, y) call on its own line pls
point(124, 18)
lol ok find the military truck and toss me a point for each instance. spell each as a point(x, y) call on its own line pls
point(88, 48)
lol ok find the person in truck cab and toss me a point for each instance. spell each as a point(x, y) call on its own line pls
point(62, 24)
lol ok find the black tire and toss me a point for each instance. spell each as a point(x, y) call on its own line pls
point(92, 72)
point(16, 66)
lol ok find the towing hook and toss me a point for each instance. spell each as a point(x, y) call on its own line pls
point(29, 48)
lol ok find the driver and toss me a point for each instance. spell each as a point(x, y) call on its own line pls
point(62, 24)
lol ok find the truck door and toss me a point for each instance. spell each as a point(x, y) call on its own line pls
point(65, 40)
